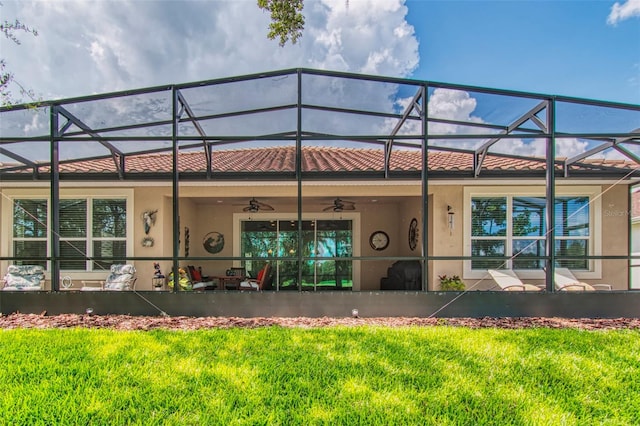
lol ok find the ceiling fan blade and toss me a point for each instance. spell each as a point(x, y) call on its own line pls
point(264, 206)
point(326, 209)
point(255, 206)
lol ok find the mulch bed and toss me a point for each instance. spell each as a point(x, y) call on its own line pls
point(128, 322)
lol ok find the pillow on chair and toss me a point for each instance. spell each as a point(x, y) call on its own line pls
point(195, 274)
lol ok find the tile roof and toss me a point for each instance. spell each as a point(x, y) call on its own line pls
point(327, 159)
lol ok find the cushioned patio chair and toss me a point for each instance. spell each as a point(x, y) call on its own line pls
point(120, 278)
point(509, 281)
point(199, 282)
point(259, 283)
point(23, 278)
point(565, 281)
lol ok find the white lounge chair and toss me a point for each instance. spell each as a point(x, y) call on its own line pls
point(509, 281)
point(565, 281)
point(121, 278)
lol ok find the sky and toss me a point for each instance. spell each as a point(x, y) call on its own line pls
point(588, 49)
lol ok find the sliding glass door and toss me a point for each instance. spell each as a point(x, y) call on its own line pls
point(324, 244)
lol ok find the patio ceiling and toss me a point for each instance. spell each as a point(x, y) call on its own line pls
point(340, 124)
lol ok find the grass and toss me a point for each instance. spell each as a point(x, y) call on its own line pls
point(348, 376)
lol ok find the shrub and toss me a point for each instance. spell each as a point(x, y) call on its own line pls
point(452, 283)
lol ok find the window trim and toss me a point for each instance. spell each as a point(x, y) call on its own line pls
point(595, 221)
point(88, 194)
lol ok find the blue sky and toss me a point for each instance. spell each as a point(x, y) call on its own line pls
point(550, 47)
point(588, 49)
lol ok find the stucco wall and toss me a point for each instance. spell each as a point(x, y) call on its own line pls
point(202, 214)
point(201, 211)
point(446, 241)
point(615, 235)
point(150, 199)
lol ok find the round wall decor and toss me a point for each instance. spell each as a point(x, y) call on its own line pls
point(213, 242)
point(379, 240)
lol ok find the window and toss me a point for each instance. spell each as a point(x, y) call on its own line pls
point(30, 231)
point(109, 235)
point(89, 228)
point(514, 226)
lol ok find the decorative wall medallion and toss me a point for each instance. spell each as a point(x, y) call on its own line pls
point(147, 242)
point(213, 242)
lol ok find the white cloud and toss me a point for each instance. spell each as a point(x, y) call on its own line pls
point(621, 11)
point(452, 105)
point(456, 105)
point(94, 47)
point(570, 147)
point(459, 105)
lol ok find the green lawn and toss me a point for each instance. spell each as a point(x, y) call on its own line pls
point(339, 375)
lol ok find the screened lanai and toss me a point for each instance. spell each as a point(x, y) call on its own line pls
point(341, 183)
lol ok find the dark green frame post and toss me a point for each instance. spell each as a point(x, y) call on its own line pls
point(299, 175)
point(551, 195)
point(425, 189)
point(175, 189)
point(54, 207)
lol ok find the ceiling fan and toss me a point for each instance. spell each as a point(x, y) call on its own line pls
point(255, 206)
point(340, 205)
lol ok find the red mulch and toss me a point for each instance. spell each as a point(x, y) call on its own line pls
point(127, 322)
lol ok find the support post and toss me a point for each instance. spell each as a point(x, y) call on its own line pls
point(425, 189)
point(550, 196)
point(54, 231)
point(175, 150)
point(299, 177)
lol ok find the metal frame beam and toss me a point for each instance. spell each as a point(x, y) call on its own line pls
point(186, 108)
point(481, 152)
point(116, 154)
point(413, 105)
point(616, 144)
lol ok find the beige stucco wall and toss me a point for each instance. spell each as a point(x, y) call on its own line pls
point(202, 214)
point(446, 242)
point(615, 235)
point(392, 213)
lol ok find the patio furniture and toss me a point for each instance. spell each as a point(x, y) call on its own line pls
point(259, 283)
point(509, 281)
point(120, 278)
point(403, 275)
point(23, 278)
point(565, 281)
point(199, 282)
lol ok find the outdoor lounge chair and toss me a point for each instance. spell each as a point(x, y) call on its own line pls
point(259, 283)
point(509, 281)
point(23, 278)
point(565, 281)
point(120, 278)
